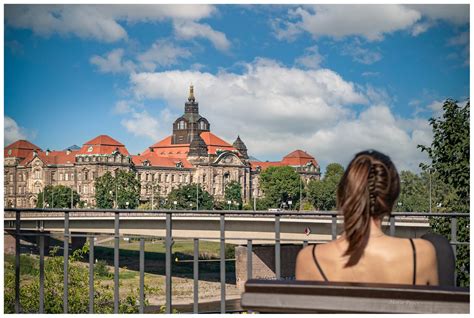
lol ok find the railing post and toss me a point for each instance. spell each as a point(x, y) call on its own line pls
point(249, 259)
point(41, 274)
point(66, 261)
point(454, 238)
point(116, 262)
point(17, 262)
point(277, 247)
point(168, 242)
point(222, 261)
point(196, 276)
point(91, 275)
point(142, 275)
point(334, 226)
point(392, 225)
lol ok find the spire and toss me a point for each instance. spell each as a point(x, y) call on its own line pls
point(240, 146)
point(191, 93)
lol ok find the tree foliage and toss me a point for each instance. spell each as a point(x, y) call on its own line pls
point(233, 193)
point(322, 193)
point(186, 196)
point(449, 153)
point(280, 185)
point(57, 196)
point(111, 192)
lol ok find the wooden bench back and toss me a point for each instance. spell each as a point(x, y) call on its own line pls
point(333, 297)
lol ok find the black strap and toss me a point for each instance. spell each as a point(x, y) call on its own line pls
point(414, 261)
point(317, 264)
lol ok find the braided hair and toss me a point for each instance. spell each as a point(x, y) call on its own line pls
point(368, 189)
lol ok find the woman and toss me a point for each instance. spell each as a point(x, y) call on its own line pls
point(363, 253)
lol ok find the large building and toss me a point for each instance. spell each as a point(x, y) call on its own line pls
point(192, 154)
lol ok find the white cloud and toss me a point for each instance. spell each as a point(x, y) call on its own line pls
point(311, 58)
point(142, 124)
point(460, 39)
point(360, 54)
point(276, 109)
point(102, 22)
point(112, 62)
point(338, 21)
point(12, 131)
point(370, 21)
point(453, 13)
point(162, 53)
point(190, 30)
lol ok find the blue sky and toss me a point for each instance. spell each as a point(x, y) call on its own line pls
point(331, 80)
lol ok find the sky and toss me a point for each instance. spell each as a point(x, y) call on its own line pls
point(328, 79)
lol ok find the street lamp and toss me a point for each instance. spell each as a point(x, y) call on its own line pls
point(290, 203)
point(126, 203)
point(191, 205)
point(175, 203)
point(111, 193)
point(229, 202)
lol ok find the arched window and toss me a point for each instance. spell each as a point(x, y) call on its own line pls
point(182, 124)
point(202, 125)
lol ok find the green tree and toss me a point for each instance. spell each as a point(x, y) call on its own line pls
point(57, 196)
point(185, 197)
point(322, 193)
point(233, 193)
point(123, 188)
point(280, 185)
point(449, 153)
point(153, 195)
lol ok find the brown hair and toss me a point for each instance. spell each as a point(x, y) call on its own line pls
point(368, 188)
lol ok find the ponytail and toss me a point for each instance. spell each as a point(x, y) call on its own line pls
point(368, 189)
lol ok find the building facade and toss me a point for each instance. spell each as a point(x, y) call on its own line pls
point(192, 154)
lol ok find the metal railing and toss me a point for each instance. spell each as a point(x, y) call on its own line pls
point(168, 248)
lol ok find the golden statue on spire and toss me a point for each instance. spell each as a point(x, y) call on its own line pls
point(191, 93)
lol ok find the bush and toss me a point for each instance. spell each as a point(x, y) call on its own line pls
point(77, 288)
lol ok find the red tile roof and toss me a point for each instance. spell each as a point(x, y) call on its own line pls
point(299, 158)
point(165, 148)
point(20, 149)
point(102, 144)
point(296, 158)
point(160, 161)
point(52, 158)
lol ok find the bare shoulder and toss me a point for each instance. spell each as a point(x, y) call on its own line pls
point(305, 267)
point(425, 250)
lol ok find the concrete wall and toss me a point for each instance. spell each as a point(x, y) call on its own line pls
point(263, 262)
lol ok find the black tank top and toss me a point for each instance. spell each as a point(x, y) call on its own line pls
point(326, 279)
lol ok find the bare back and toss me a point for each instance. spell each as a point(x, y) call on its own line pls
point(386, 259)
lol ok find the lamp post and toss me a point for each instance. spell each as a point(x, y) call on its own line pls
point(429, 171)
point(300, 194)
point(112, 193)
point(175, 203)
point(197, 195)
point(126, 203)
point(290, 203)
point(152, 196)
point(229, 202)
point(191, 205)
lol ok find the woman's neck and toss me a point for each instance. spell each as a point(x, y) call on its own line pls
point(376, 228)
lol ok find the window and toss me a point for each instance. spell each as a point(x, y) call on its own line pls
point(37, 175)
point(172, 178)
point(85, 189)
point(66, 177)
point(90, 149)
point(182, 124)
point(202, 125)
point(11, 178)
point(72, 176)
point(159, 177)
point(86, 176)
point(204, 178)
point(191, 179)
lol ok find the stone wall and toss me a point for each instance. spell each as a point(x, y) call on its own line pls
point(263, 262)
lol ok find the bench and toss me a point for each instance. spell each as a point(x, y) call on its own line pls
point(280, 296)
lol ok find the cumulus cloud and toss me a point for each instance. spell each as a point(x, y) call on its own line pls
point(113, 62)
point(103, 22)
point(190, 30)
point(370, 21)
point(162, 53)
point(360, 54)
point(13, 131)
point(293, 108)
point(338, 21)
point(460, 40)
point(311, 58)
point(142, 124)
